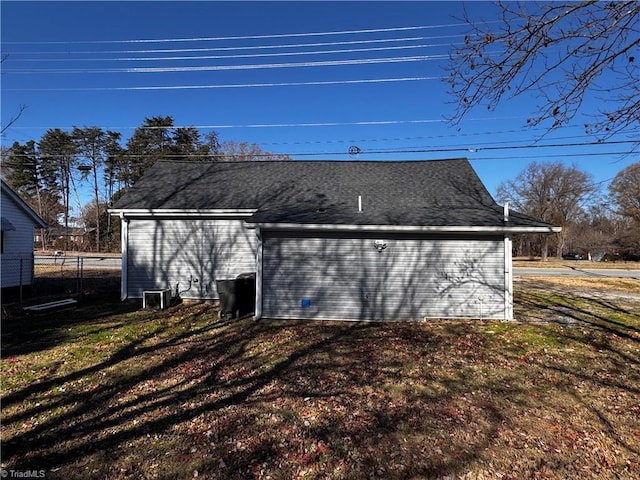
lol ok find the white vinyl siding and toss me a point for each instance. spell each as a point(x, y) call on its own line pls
point(415, 277)
point(17, 246)
point(187, 255)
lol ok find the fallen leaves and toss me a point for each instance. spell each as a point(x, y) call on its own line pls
point(325, 400)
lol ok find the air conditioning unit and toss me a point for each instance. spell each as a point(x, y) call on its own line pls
point(156, 299)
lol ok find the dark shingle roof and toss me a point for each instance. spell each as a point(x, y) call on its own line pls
point(435, 192)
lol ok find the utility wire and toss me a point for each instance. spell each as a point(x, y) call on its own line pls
point(231, 57)
point(239, 48)
point(214, 86)
point(210, 68)
point(420, 137)
point(559, 155)
point(424, 137)
point(244, 37)
point(416, 150)
point(492, 148)
point(283, 125)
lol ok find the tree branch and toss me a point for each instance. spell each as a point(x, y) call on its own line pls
point(13, 119)
point(561, 52)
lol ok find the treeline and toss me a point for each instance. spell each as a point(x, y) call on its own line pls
point(48, 173)
point(596, 224)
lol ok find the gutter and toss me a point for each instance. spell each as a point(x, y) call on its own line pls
point(172, 212)
point(404, 228)
point(248, 212)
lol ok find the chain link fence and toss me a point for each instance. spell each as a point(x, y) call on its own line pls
point(30, 279)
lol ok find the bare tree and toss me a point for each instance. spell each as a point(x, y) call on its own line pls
point(564, 52)
point(551, 192)
point(232, 151)
point(625, 190)
point(92, 144)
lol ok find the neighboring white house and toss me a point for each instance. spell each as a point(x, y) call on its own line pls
point(351, 240)
point(18, 223)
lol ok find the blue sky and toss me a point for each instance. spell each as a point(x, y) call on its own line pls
point(373, 81)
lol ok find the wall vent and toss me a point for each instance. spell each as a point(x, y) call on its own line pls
point(156, 299)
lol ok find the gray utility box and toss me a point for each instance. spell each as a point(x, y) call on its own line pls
point(237, 296)
point(156, 299)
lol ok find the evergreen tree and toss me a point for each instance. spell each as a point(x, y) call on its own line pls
point(20, 168)
point(149, 143)
point(58, 157)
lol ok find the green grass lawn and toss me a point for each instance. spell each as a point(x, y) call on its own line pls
point(109, 392)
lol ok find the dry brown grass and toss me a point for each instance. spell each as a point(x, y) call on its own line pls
point(553, 262)
point(576, 284)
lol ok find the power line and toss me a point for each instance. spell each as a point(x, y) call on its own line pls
point(464, 149)
point(231, 85)
point(387, 122)
point(405, 151)
point(288, 125)
point(244, 37)
point(426, 137)
point(238, 48)
point(558, 155)
point(465, 146)
point(210, 68)
point(231, 57)
point(492, 148)
point(343, 124)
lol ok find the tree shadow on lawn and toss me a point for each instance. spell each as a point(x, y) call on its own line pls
point(601, 326)
point(230, 378)
point(250, 399)
point(26, 333)
point(610, 332)
point(580, 310)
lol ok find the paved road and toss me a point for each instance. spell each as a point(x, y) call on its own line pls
point(88, 262)
point(576, 272)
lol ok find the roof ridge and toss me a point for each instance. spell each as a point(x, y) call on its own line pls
point(318, 161)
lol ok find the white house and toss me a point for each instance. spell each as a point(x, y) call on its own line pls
point(352, 240)
point(18, 223)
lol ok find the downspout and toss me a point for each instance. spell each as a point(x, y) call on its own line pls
point(508, 279)
point(258, 305)
point(124, 248)
point(508, 269)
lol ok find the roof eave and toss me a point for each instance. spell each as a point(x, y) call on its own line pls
point(174, 212)
point(479, 229)
point(284, 226)
point(24, 206)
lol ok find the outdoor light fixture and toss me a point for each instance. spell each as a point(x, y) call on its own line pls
point(380, 245)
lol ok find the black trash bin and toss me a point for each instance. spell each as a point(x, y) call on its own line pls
point(228, 298)
point(246, 293)
point(237, 296)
